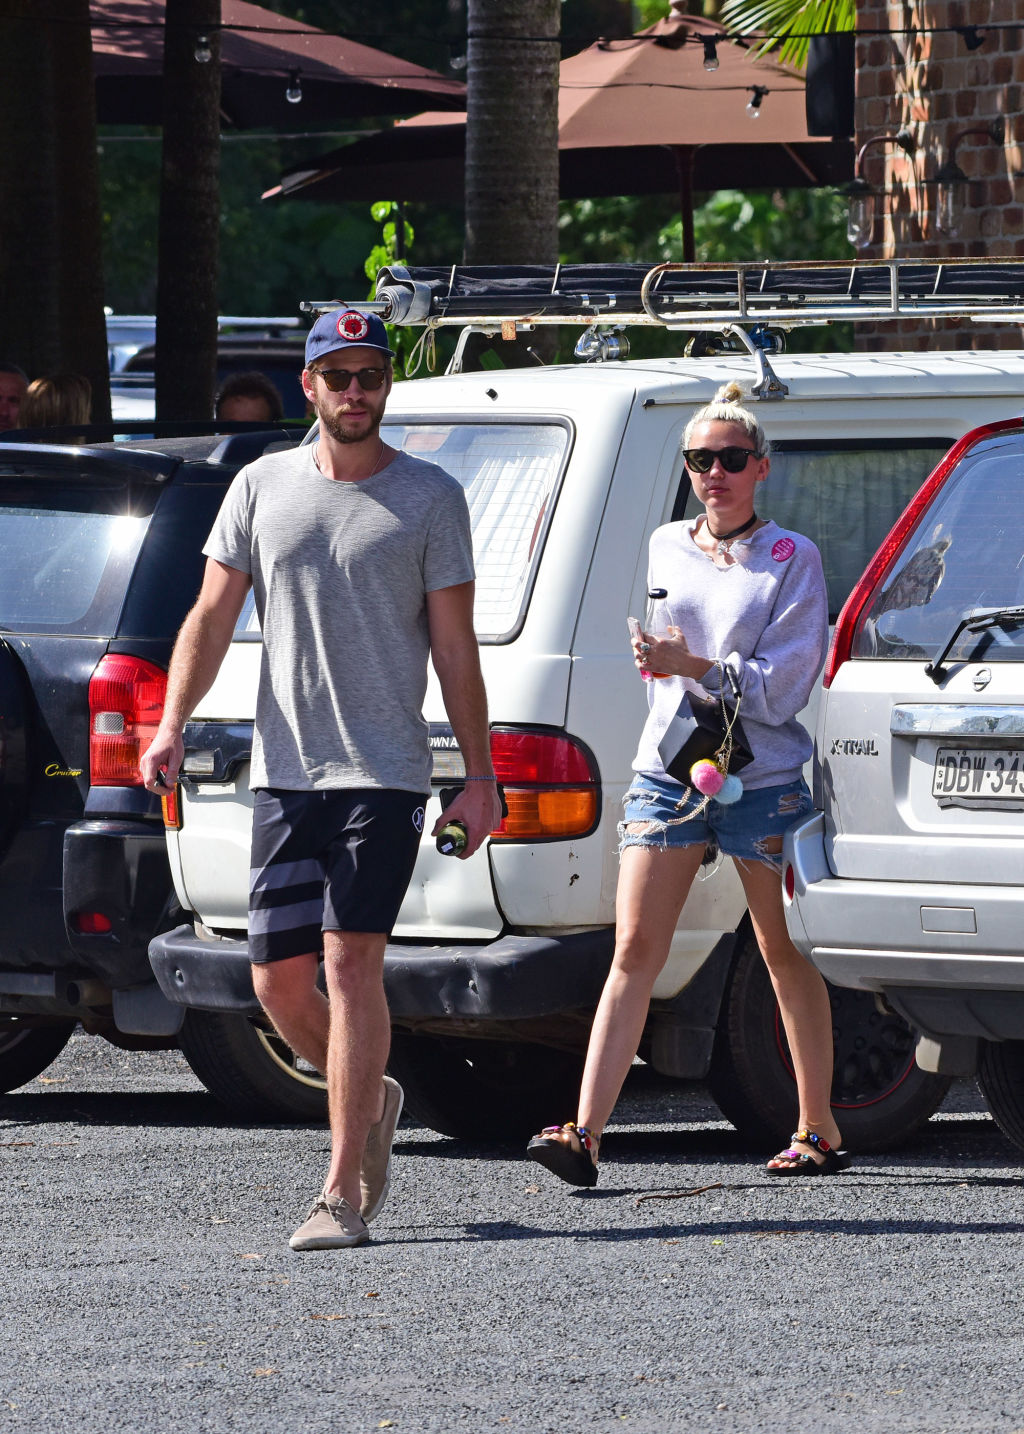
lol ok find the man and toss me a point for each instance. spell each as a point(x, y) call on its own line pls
point(361, 564)
point(13, 383)
point(248, 398)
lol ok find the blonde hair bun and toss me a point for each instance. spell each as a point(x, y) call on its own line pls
point(726, 407)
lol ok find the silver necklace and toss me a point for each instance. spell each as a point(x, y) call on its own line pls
point(373, 470)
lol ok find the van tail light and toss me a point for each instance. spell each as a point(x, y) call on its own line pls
point(550, 783)
point(170, 806)
point(126, 701)
point(863, 595)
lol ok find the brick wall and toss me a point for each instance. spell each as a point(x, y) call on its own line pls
point(937, 87)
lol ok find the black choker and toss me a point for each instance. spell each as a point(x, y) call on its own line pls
point(724, 539)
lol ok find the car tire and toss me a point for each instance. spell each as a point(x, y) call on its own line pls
point(1001, 1078)
point(250, 1069)
point(879, 1094)
point(485, 1091)
point(25, 1050)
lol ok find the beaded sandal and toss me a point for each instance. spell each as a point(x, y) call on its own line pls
point(804, 1163)
point(570, 1158)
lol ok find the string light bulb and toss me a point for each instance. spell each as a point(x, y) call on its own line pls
point(293, 94)
point(710, 43)
point(203, 53)
point(754, 103)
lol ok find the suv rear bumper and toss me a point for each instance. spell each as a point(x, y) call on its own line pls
point(118, 868)
point(948, 958)
point(512, 978)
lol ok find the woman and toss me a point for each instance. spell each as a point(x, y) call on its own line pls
point(57, 400)
point(747, 610)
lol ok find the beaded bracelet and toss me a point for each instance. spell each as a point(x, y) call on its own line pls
point(491, 778)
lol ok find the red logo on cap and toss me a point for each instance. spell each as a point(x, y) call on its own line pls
point(353, 326)
point(783, 549)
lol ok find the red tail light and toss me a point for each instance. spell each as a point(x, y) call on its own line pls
point(550, 784)
point(126, 700)
point(878, 570)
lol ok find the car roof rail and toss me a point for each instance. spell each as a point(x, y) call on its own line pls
point(695, 296)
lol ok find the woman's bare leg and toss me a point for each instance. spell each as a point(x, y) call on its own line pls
point(803, 1003)
point(653, 884)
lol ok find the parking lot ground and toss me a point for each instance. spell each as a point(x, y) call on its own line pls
point(148, 1286)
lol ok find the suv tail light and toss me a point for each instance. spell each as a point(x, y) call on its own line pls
point(126, 700)
point(550, 783)
point(878, 569)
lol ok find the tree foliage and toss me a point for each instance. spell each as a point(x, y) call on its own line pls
point(793, 21)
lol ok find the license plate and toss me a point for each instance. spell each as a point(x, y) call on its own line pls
point(965, 775)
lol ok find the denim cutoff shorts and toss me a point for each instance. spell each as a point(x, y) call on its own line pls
point(739, 830)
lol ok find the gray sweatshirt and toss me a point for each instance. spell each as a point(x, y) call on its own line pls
point(766, 617)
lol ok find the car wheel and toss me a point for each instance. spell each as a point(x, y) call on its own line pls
point(250, 1069)
point(1001, 1077)
point(485, 1090)
point(26, 1050)
point(879, 1094)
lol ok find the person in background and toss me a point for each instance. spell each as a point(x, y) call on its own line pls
point(56, 400)
point(746, 611)
point(248, 398)
point(13, 383)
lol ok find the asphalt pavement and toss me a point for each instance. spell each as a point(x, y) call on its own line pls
point(147, 1284)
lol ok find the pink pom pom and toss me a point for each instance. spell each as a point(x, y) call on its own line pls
point(731, 791)
point(706, 777)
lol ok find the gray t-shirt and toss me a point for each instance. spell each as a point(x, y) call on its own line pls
point(765, 617)
point(339, 573)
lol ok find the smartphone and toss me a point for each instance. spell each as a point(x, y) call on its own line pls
point(636, 634)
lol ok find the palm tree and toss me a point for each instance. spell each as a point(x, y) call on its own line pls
point(790, 23)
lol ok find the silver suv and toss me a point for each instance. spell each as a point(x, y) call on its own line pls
point(908, 879)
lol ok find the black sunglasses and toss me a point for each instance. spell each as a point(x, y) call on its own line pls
point(733, 460)
point(338, 379)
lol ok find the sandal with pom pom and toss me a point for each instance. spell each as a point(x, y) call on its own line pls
point(568, 1151)
point(804, 1163)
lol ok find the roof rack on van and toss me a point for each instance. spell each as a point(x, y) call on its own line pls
point(696, 296)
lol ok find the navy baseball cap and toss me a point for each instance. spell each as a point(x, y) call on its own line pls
point(345, 329)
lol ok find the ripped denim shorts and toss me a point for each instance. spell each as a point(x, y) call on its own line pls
point(739, 829)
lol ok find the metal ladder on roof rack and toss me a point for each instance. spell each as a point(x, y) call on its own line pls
point(696, 296)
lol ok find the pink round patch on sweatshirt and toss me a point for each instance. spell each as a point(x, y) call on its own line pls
point(783, 549)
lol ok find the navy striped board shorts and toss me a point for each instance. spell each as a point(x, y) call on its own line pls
point(337, 860)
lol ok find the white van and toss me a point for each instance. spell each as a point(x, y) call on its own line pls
point(496, 963)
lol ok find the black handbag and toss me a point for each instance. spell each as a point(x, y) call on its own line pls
point(698, 730)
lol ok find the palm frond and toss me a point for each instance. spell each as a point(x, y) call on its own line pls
point(789, 23)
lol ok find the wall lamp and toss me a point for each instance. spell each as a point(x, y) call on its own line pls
point(952, 181)
point(860, 221)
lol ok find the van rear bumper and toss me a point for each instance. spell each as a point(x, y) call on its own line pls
point(949, 958)
point(512, 978)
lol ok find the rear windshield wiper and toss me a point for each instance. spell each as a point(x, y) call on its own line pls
point(975, 622)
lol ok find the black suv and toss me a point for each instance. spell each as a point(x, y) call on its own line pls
point(100, 559)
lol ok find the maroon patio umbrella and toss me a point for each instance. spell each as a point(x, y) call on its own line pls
point(636, 116)
point(263, 56)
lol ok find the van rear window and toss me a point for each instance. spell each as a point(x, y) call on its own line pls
point(66, 555)
point(510, 472)
point(844, 496)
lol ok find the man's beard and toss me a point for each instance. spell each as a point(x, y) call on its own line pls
point(331, 421)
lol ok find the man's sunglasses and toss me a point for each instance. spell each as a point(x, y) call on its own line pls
point(338, 379)
point(733, 460)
